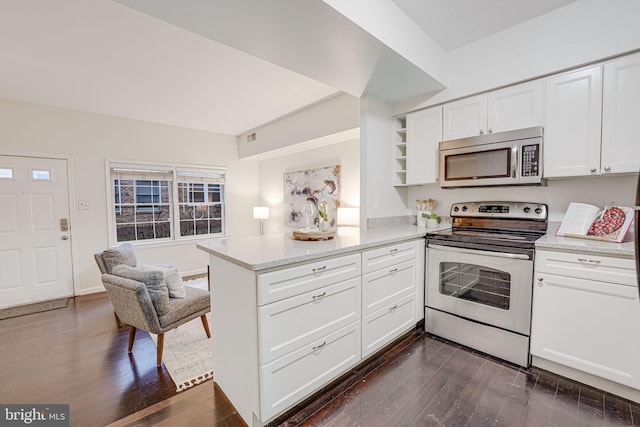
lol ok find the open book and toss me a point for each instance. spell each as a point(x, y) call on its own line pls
point(610, 223)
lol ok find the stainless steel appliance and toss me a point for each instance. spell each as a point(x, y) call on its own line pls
point(505, 158)
point(480, 277)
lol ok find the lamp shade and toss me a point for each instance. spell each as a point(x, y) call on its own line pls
point(261, 212)
point(348, 216)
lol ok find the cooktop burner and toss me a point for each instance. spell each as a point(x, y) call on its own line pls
point(504, 224)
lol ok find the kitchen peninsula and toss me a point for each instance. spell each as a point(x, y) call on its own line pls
point(291, 316)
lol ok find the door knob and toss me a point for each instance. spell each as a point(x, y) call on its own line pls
point(65, 237)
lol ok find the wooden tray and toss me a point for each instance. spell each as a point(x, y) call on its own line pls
point(314, 235)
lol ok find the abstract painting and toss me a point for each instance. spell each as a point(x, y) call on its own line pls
point(308, 185)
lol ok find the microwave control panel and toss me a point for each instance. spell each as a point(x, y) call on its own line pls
point(530, 160)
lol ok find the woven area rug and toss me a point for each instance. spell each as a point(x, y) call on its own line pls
point(187, 352)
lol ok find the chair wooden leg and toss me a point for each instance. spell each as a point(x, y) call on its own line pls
point(159, 349)
point(132, 336)
point(205, 323)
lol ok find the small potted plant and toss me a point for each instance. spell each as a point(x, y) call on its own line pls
point(432, 219)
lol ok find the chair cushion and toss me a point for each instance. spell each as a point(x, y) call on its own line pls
point(172, 279)
point(153, 280)
point(197, 301)
point(122, 254)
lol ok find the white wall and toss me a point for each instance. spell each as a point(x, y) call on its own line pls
point(579, 33)
point(346, 154)
point(89, 139)
point(379, 198)
point(332, 116)
point(557, 194)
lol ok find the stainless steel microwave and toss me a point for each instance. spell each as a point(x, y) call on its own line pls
point(504, 158)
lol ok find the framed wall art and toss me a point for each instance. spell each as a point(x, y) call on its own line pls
point(308, 185)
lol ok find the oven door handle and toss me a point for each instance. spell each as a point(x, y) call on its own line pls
point(477, 252)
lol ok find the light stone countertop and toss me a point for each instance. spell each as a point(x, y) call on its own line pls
point(264, 252)
point(573, 244)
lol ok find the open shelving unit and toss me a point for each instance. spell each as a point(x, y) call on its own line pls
point(400, 151)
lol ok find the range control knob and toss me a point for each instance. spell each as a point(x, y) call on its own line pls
point(464, 209)
point(456, 209)
point(538, 210)
point(527, 209)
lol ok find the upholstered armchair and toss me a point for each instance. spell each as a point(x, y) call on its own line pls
point(141, 300)
point(149, 297)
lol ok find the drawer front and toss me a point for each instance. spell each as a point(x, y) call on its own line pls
point(294, 322)
point(280, 284)
point(387, 256)
point(386, 285)
point(286, 381)
point(587, 266)
point(388, 323)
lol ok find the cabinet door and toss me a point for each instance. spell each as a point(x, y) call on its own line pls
point(297, 321)
point(572, 123)
point(621, 110)
point(424, 132)
point(587, 325)
point(515, 107)
point(463, 118)
point(289, 379)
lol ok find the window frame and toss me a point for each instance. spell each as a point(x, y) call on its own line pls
point(174, 169)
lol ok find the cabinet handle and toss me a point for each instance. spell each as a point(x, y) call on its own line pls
point(393, 250)
point(593, 170)
point(395, 270)
point(607, 168)
point(319, 346)
point(319, 296)
point(590, 261)
point(490, 130)
point(481, 131)
point(393, 308)
point(315, 270)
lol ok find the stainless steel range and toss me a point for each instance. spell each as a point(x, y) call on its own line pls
point(480, 277)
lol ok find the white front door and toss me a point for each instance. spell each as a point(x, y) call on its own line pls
point(35, 245)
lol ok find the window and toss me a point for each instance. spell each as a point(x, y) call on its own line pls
point(145, 209)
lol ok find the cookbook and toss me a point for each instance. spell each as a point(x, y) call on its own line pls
point(585, 221)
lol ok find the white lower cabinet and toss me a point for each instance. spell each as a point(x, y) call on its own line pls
point(586, 315)
point(300, 320)
point(389, 288)
point(281, 335)
point(295, 376)
point(386, 324)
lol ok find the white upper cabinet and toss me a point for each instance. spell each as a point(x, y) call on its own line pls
point(465, 117)
point(515, 107)
point(424, 132)
point(620, 114)
point(572, 123)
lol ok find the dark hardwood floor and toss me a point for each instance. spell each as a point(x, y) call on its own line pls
point(78, 356)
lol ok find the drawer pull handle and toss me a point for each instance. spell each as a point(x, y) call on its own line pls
point(315, 270)
point(319, 296)
point(393, 250)
point(590, 261)
point(319, 346)
point(393, 308)
point(395, 270)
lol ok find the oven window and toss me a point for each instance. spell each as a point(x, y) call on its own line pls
point(475, 283)
point(478, 164)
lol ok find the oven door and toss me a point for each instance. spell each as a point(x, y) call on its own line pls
point(489, 287)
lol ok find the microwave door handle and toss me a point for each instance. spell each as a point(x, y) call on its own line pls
point(477, 252)
point(514, 161)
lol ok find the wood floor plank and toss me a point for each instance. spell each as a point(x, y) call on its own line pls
point(78, 355)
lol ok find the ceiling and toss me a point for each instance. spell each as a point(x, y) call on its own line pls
point(225, 67)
